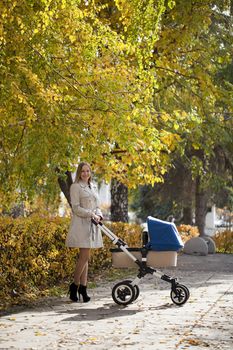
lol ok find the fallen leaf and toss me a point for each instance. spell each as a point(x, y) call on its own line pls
point(39, 334)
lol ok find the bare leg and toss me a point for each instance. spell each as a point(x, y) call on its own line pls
point(83, 278)
point(81, 269)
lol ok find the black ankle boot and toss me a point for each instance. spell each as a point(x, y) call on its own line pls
point(73, 292)
point(82, 290)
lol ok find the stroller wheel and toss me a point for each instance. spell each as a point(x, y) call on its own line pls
point(136, 289)
point(187, 290)
point(180, 295)
point(123, 293)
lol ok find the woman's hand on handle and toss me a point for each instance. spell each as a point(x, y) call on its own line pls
point(97, 218)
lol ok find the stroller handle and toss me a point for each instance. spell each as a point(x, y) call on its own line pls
point(96, 222)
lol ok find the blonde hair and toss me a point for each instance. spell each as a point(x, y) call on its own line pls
point(79, 171)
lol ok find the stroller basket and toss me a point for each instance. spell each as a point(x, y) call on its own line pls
point(154, 259)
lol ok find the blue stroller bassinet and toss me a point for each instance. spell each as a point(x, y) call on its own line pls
point(163, 235)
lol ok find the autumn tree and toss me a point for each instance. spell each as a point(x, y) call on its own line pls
point(68, 93)
point(194, 100)
point(119, 84)
point(194, 44)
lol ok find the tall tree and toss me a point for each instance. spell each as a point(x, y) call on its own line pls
point(68, 92)
point(119, 201)
point(194, 101)
point(80, 77)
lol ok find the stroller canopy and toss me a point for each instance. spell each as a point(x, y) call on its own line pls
point(163, 235)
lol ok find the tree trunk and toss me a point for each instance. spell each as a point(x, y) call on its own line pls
point(187, 195)
point(65, 181)
point(187, 215)
point(200, 207)
point(119, 202)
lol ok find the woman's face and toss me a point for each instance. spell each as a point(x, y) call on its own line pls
point(85, 173)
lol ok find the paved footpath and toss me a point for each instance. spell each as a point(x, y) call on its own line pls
point(151, 322)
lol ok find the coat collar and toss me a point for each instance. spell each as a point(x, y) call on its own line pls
point(86, 188)
point(83, 184)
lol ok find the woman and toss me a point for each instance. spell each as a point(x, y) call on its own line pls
point(83, 234)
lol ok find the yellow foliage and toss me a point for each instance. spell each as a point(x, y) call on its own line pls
point(34, 256)
point(187, 231)
point(224, 241)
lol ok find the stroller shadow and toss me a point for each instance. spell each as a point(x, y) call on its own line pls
point(163, 307)
point(104, 312)
point(108, 311)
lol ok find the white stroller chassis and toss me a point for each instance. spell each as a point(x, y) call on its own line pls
point(127, 291)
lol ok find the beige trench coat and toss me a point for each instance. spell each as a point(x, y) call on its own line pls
point(82, 232)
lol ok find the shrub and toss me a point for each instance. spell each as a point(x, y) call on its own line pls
point(224, 241)
point(34, 256)
point(187, 231)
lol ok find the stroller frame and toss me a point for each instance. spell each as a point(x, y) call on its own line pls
point(127, 291)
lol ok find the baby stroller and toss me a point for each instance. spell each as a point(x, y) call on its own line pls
point(159, 250)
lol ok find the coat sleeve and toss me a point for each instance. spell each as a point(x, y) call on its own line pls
point(99, 212)
point(75, 202)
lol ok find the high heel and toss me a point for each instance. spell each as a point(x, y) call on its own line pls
point(73, 292)
point(82, 290)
